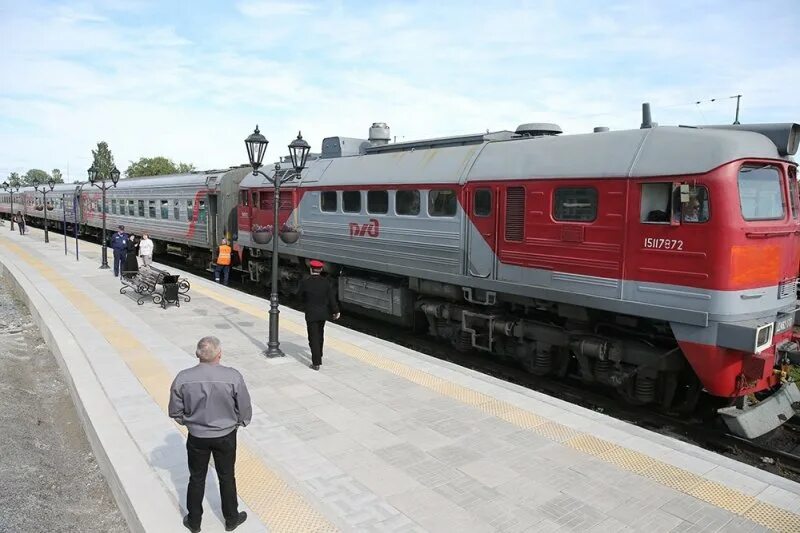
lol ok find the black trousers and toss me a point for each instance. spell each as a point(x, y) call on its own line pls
point(316, 336)
point(224, 450)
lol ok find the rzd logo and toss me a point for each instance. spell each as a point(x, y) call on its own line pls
point(370, 229)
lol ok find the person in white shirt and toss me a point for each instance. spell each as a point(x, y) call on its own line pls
point(146, 250)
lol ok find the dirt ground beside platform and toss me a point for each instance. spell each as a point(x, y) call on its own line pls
point(49, 478)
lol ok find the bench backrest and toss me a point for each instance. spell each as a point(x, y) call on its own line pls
point(150, 276)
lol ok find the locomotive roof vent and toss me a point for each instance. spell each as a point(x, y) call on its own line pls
point(538, 129)
point(333, 147)
point(600, 129)
point(379, 134)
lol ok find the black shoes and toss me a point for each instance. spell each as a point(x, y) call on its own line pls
point(188, 526)
point(312, 366)
point(230, 526)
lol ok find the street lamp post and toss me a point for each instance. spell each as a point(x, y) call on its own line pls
point(44, 191)
point(256, 145)
point(99, 180)
point(11, 188)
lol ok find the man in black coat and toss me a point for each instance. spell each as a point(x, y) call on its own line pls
point(319, 302)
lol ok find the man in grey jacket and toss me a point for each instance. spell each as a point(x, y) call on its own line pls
point(212, 401)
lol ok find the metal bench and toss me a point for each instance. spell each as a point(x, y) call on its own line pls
point(159, 285)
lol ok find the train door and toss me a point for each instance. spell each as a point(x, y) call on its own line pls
point(212, 224)
point(482, 231)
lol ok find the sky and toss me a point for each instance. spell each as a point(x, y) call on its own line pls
point(190, 80)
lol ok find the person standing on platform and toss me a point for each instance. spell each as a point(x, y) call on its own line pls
point(319, 303)
point(223, 262)
point(21, 222)
point(146, 250)
point(119, 243)
point(212, 401)
point(131, 264)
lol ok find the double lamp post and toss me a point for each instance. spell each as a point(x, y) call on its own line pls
point(50, 183)
point(256, 145)
point(98, 179)
point(11, 188)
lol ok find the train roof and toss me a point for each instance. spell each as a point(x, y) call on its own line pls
point(60, 188)
point(647, 152)
point(194, 179)
point(659, 151)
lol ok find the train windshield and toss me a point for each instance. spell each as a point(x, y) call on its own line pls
point(760, 193)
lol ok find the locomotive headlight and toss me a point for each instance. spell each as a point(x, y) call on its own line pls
point(763, 337)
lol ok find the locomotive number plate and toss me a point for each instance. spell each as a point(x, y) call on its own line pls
point(663, 244)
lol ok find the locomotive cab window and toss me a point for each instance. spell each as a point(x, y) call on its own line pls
point(760, 193)
point(328, 201)
point(656, 204)
point(575, 204)
point(406, 203)
point(664, 203)
point(351, 201)
point(378, 202)
point(254, 195)
point(483, 203)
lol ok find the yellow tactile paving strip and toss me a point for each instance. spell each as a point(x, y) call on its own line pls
point(626, 459)
point(278, 506)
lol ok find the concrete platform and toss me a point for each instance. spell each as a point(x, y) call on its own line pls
point(382, 439)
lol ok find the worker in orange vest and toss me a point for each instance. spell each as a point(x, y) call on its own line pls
point(223, 262)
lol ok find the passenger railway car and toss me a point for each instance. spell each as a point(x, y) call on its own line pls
point(184, 214)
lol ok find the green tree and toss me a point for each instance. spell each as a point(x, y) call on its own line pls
point(57, 176)
point(185, 168)
point(34, 176)
point(156, 166)
point(14, 179)
point(103, 160)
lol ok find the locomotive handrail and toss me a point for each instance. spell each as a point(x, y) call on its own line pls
point(768, 234)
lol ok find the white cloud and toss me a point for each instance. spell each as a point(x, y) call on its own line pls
point(191, 86)
point(273, 8)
